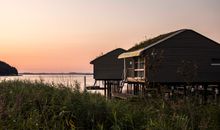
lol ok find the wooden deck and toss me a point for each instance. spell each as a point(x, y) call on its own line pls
point(94, 88)
point(138, 80)
point(123, 96)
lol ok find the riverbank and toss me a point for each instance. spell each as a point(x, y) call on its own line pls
point(36, 105)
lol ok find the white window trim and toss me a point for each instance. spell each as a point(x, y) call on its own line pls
point(215, 64)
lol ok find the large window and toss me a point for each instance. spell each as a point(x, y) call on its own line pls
point(139, 67)
point(135, 67)
point(130, 67)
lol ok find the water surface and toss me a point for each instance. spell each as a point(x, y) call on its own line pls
point(68, 80)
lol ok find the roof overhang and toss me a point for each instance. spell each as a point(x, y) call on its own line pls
point(139, 52)
point(130, 54)
point(116, 51)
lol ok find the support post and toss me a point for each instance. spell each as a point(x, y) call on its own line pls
point(135, 89)
point(143, 90)
point(84, 83)
point(110, 90)
point(124, 76)
point(205, 94)
point(184, 91)
point(127, 89)
point(105, 88)
point(118, 87)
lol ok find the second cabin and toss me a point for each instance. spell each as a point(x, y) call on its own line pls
point(108, 72)
point(108, 66)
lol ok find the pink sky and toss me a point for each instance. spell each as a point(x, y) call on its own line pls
point(65, 35)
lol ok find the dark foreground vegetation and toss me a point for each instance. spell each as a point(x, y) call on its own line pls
point(26, 105)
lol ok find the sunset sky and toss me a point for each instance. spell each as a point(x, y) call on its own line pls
point(65, 35)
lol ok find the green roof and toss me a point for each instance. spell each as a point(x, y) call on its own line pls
point(148, 42)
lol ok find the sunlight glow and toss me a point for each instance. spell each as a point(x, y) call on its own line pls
point(65, 35)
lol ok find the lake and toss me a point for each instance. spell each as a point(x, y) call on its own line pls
point(67, 80)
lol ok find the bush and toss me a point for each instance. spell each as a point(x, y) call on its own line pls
point(28, 105)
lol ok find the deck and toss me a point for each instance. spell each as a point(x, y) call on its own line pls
point(94, 88)
point(123, 96)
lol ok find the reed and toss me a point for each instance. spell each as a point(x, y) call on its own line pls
point(36, 105)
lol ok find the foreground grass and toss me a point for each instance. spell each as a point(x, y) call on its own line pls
point(27, 105)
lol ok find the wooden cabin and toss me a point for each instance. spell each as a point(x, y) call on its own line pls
point(175, 58)
point(109, 70)
point(108, 66)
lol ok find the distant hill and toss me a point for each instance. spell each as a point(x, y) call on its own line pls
point(70, 73)
point(7, 70)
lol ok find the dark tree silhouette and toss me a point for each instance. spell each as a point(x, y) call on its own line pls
point(6, 69)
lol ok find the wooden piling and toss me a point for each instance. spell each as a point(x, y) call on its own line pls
point(109, 90)
point(205, 94)
point(105, 88)
point(84, 82)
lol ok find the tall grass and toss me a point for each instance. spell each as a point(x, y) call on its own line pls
point(28, 105)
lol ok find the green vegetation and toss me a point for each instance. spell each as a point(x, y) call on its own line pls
point(150, 41)
point(27, 105)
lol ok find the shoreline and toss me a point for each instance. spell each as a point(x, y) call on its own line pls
point(74, 73)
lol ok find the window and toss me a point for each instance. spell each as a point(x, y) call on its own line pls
point(135, 67)
point(139, 67)
point(215, 62)
point(139, 63)
point(139, 74)
point(130, 68)
point(130, 64)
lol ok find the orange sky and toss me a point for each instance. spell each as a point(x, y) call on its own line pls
point(65, 35)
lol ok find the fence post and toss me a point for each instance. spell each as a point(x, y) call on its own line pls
point(84, 83)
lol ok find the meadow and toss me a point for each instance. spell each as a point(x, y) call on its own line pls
point(37, 105)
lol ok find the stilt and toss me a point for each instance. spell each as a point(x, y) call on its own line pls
point(135, 89)
point(213, 93)
point(184, 91)
point(105, 88)
point(143, 89)
point(205, 94)
point(172, 91)
point(107, 82)
point(117, 87)
point(127, 89)
point(110, 90)
point(217, 89)
point(84, 83)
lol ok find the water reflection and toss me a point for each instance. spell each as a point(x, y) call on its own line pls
point(67, 80)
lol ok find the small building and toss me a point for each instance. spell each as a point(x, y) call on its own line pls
point(109, 70)
point(108, 66)
point(176, 58)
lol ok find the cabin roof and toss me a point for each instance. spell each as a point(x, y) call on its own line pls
point(139, 48)
point(120, 50)
point(151, 41)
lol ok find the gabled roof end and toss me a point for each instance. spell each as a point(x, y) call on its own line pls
point(118, 49)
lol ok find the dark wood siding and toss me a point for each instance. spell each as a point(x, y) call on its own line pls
point(108, 66)
point(182, 51)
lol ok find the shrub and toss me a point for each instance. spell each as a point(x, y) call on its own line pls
point(28, 105)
